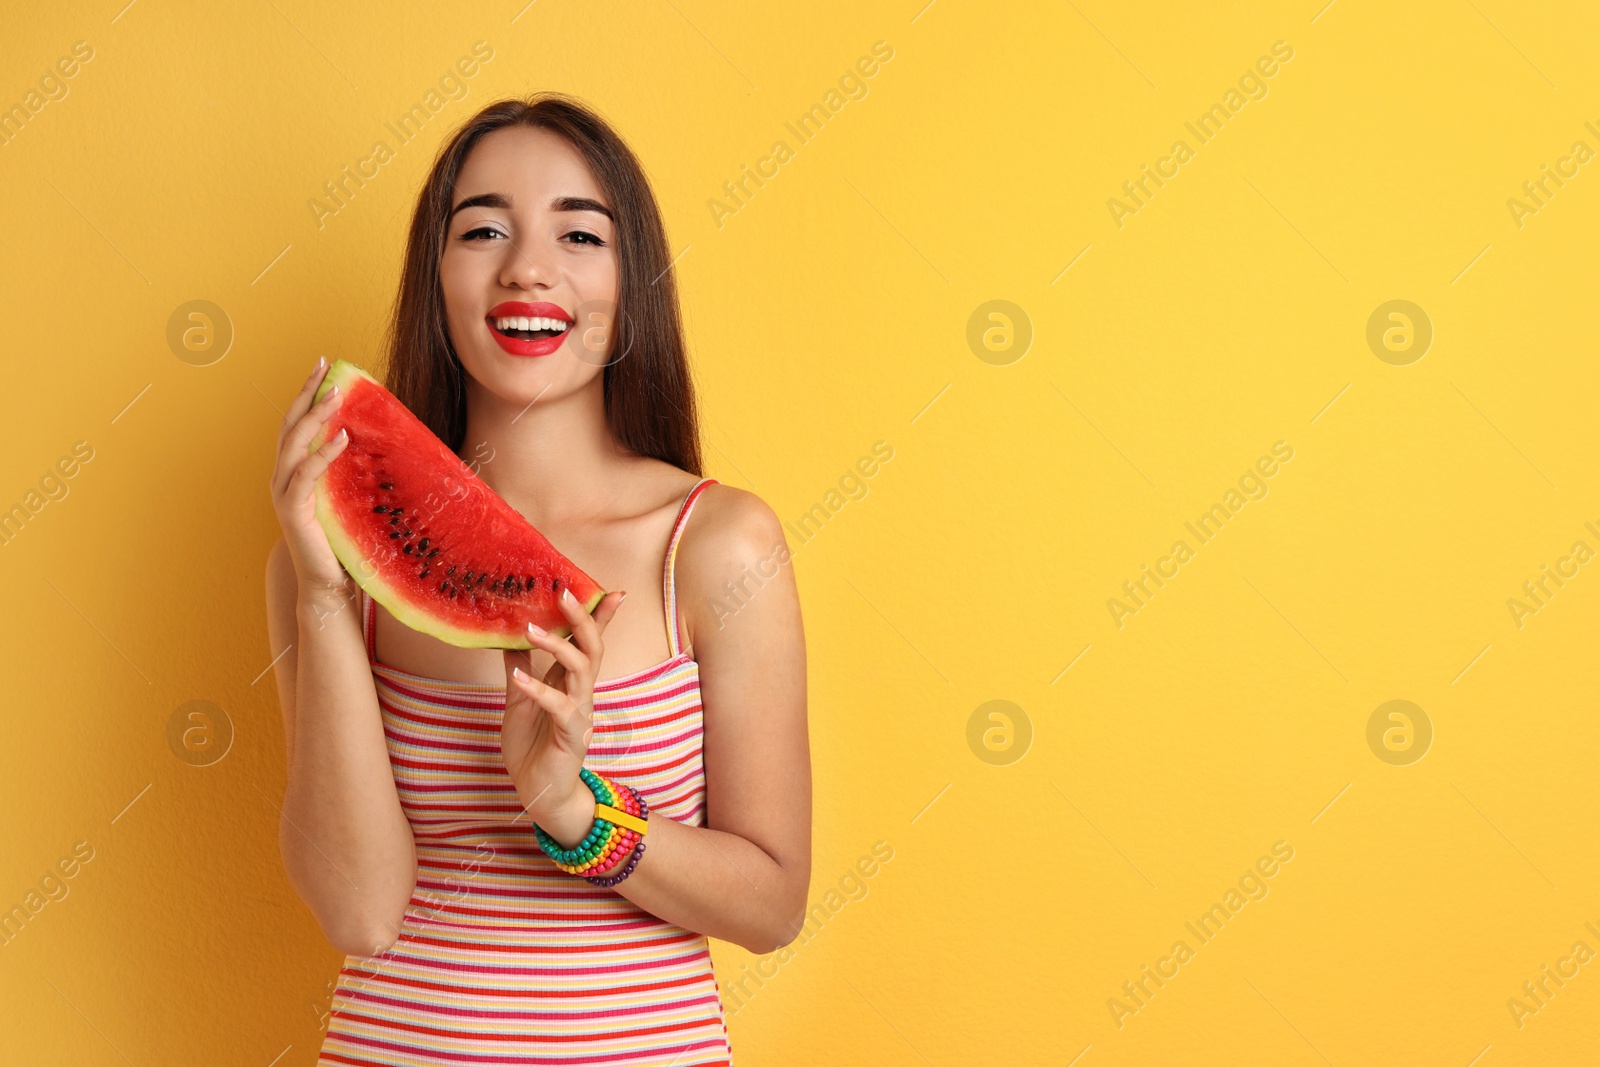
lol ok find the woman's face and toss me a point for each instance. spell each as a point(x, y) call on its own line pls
point(529, 270)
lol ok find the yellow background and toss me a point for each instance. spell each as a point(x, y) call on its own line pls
point(825, 315)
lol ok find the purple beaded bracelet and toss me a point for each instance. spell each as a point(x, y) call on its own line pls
point(633, 861)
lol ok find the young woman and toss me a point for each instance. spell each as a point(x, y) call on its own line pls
point(429, 786)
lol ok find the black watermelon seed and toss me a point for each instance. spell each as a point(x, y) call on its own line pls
point(407, 549)
point(424, 573)
point(381, 509)
point(555, 585)
point(452, 569)
point(432, 551)
point(394, 511)
point(394, 533)
point(467, 577)
point(480, 579)
point(385, 485)
point(395, 521)
point(423, 545)
point(444, 587)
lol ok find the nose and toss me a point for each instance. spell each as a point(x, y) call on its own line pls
point(526, 266)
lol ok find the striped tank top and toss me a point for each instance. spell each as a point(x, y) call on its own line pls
point(502, 957)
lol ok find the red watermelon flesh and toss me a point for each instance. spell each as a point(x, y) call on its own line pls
point(425, 537)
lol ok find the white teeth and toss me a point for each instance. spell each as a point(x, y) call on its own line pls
point(515, 323)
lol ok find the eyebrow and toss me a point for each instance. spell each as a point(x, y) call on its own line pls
point(560, 203)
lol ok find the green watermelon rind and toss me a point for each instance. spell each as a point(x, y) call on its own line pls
point(343, 373)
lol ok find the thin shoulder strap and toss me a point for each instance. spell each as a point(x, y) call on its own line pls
point(669, 597)
point(369, 625)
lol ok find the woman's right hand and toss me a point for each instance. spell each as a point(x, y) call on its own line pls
point(294, 477)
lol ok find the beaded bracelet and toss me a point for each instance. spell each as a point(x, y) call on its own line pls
point(628, 848)
point(617, 836)
point(633, 861)
point(625, 855)
point(621, 861)
point(618, 824)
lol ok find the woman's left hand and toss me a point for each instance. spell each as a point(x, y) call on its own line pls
point(545, 734)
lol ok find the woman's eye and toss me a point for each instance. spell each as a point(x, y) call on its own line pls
point(578, 236)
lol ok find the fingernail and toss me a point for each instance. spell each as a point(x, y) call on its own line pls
point(342, 436)
point(621, 598)
point(332, 389)
point(535, 631)
point(566, 594)
point(320, 361)
point(516, 672)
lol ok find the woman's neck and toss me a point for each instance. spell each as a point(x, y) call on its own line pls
point(555, 461)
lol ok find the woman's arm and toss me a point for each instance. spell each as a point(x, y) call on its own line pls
point(346, 843)
point(743, 877)
point(347, 846)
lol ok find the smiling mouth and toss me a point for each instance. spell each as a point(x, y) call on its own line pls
point(525, 328)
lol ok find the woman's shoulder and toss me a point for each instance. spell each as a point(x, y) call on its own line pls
point(727, 520)
point(731, 534)
point(721, 514)
point(726, 526)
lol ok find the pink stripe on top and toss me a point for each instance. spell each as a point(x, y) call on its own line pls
point(504, 958)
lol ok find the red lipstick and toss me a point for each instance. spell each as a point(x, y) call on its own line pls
point(520, 309)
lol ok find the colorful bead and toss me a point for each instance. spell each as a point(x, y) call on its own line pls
point(633, 861)
point(607, 845)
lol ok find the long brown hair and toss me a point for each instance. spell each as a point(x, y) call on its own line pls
point(649, 395)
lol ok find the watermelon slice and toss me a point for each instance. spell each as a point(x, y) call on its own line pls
point(425, 537)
